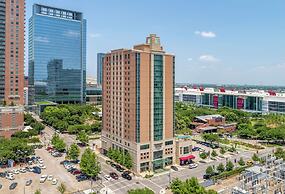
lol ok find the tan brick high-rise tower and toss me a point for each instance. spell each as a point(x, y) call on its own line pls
point(138, 105)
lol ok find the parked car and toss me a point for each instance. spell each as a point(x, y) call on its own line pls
point(2, 174)
point(249, 163)
point(13, 186)
point(81, 177)
point(208, 176)
point(113, 165)
point(29, 182)
point(174, 168)
point(50, 177)
point(37, 170)
point(15, 171)
point(71, 169)
point(1, 186)
point(64, 162)
point(54, 181)
point(23, 170)
point(43, 178)
point(10, 176)
point(195, 149)
point(127, 176)
point(42, 166)
point(193, 165)
point(76, 172)
point(114, 175)
point(119, 168)
point(109, 162)
point(108, 177)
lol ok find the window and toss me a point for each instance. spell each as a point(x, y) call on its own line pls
point(157, 155)
point(168, 142)
point(144, 147)
point(186, 150)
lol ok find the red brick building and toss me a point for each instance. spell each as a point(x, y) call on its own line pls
point(12, 27)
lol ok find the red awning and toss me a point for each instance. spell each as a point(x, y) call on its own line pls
point(190, 157)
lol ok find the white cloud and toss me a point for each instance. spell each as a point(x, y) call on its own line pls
point(41, 39)
point(189, 59)
point(206, 34)
point(208, 58)
point(95, 35)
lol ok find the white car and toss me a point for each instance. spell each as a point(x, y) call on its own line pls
point(193, 165)
point(43, 178)
point(23, 170)
point(16, 171)
point(108, 177)
point(54, 181)
point(40, 161)
point(10, 176)
point(42, 166)
point(31, 169)
point(50, 178)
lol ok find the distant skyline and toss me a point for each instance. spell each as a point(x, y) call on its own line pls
point(218, 42)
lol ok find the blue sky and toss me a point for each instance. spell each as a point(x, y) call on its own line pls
point(221, 41)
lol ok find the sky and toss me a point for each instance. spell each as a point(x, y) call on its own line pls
point(218, 42)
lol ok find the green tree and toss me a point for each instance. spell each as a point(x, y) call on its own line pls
point(61, 188)
point(58, 143)
point(211, 137)
point(82, 137)
point(140, 191)
point(38, 191)
point(255, 158)
point(214, 153)
point(203, 155)
point(229, 166)
point(89, 163)
point(122, 157)
point(246, 131)
point(189, 186)
point(222, 151)
point(241, 162)
point(209, 170)
point(220, 168)
point(73, 152)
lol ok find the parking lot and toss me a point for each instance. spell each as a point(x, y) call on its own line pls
point(53, 167)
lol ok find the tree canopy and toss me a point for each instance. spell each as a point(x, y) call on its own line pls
point(189, 186)
point(89, 163)
point(141, 191)
point(73, 152)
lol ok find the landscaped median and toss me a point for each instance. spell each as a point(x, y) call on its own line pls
point(227, 174)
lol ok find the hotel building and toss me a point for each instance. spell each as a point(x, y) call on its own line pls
point(138, 104)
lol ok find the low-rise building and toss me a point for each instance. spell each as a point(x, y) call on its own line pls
point(11, 120)
point(257, 101)
point(183, 150)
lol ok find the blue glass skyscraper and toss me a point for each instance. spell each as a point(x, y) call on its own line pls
point(100, 58)
point(57, 55)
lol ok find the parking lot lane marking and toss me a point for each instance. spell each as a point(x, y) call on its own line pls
point(129, 185)
point(119, 182)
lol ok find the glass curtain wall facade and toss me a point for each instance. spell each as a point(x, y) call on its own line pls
point(57, 55)
point(158, 97)
point(100, 58)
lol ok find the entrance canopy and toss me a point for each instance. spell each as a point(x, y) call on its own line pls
point(189, 157)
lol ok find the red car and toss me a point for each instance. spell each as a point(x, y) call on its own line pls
point(76, 172)
point(114, 175)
